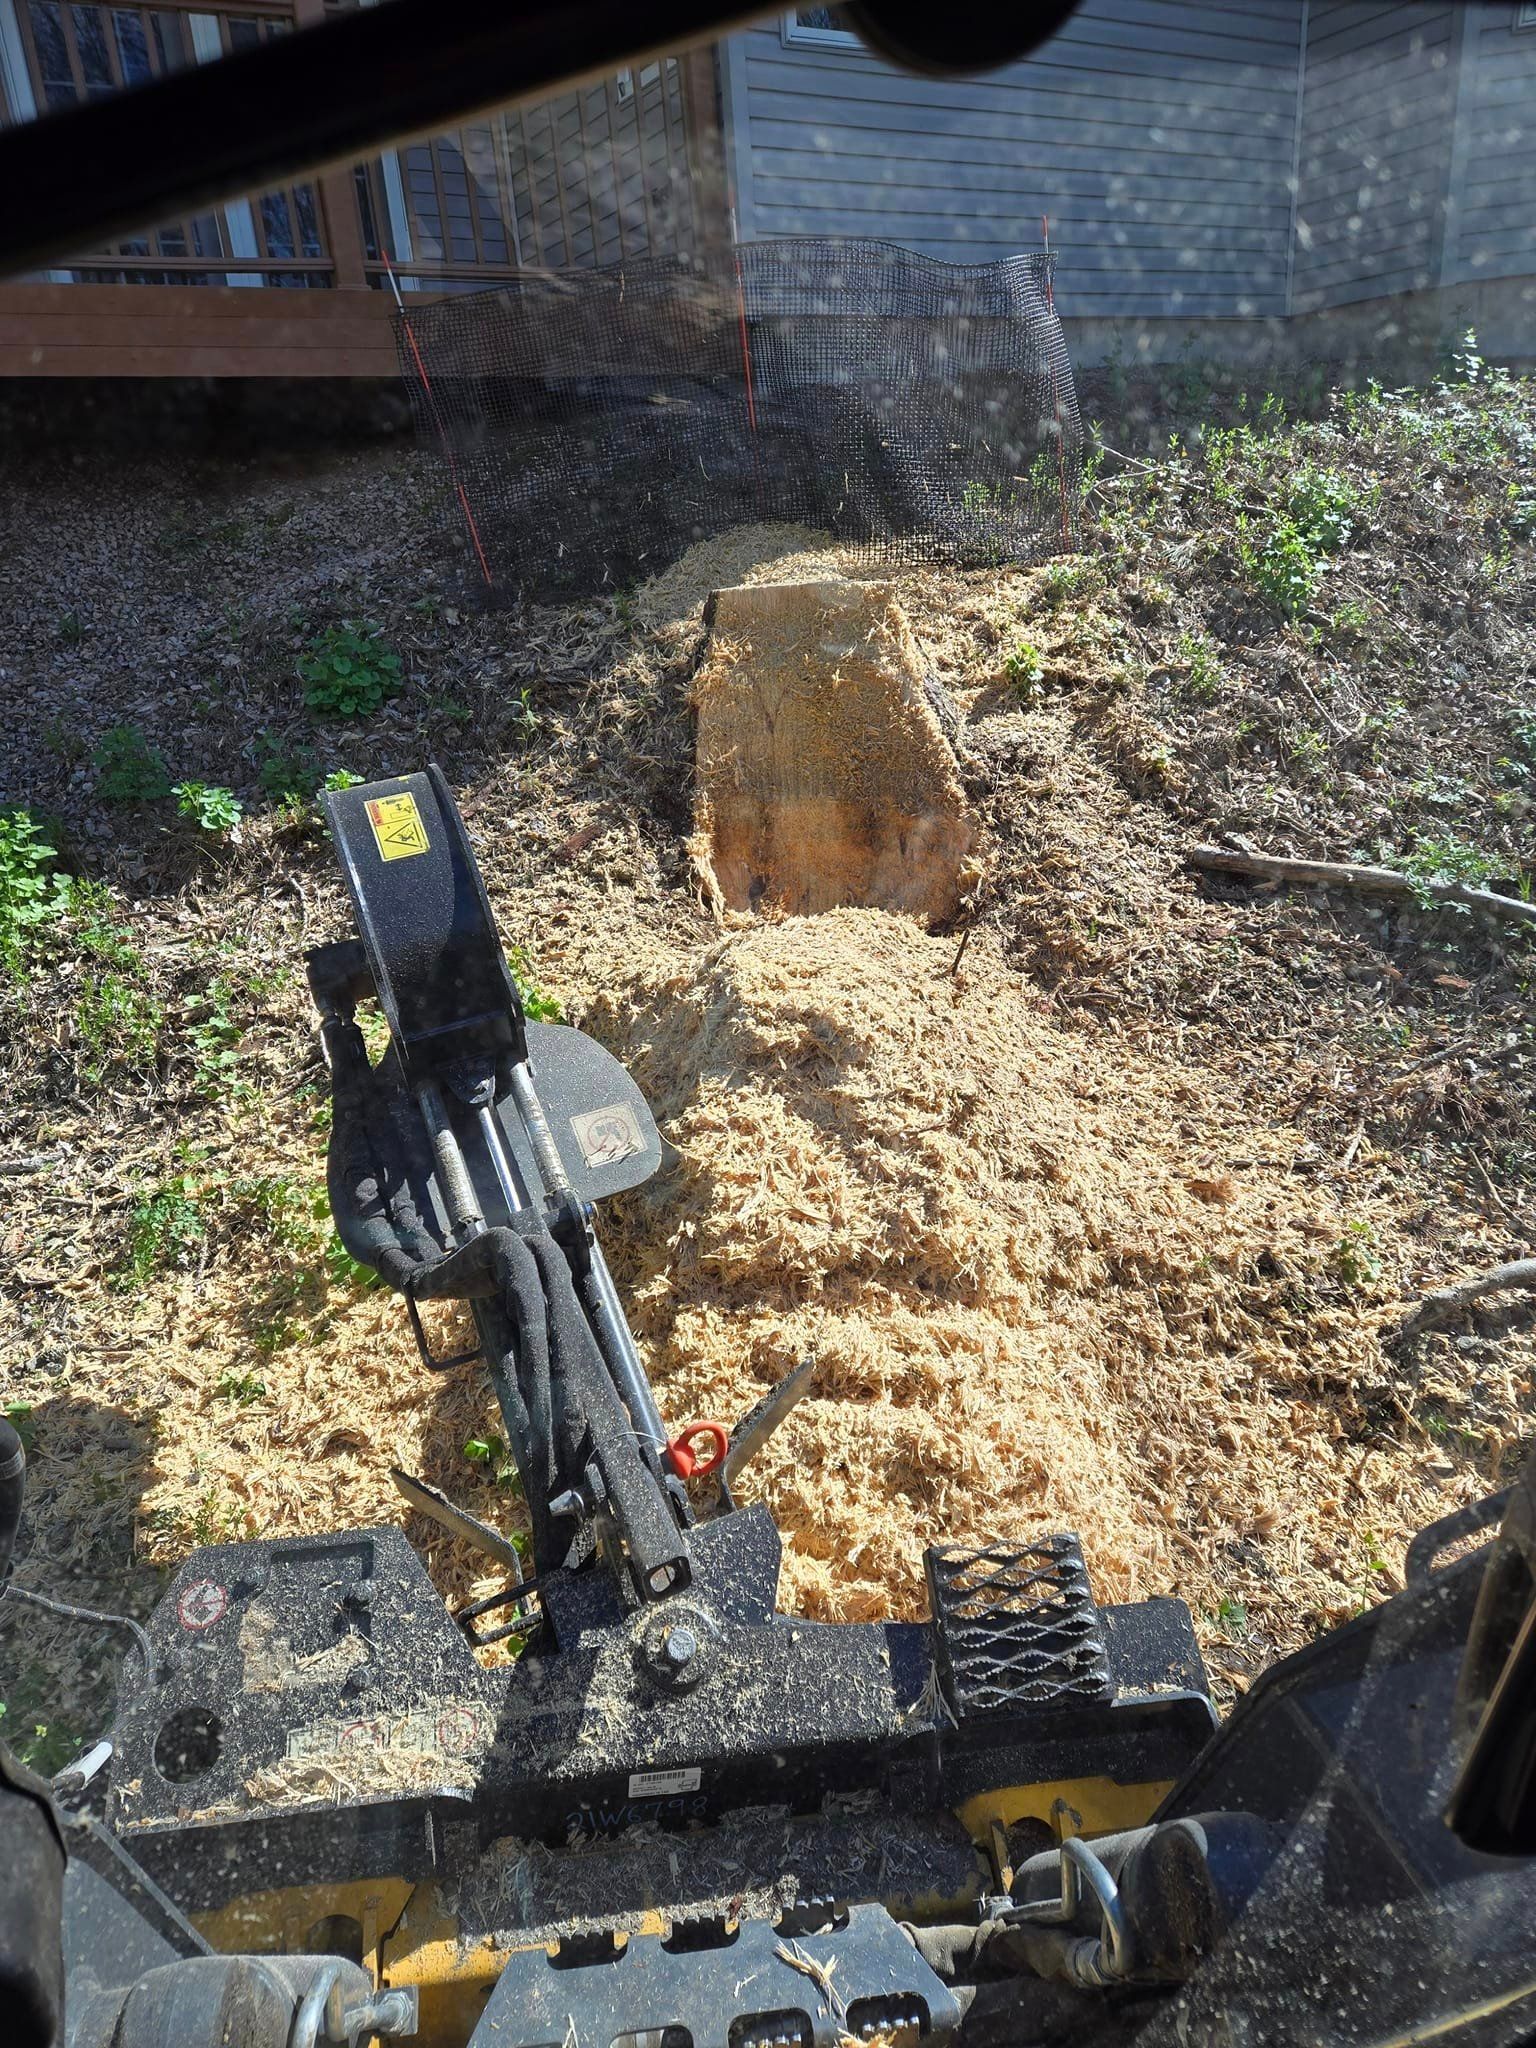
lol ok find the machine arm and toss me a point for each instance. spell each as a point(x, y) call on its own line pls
point(464, 1167)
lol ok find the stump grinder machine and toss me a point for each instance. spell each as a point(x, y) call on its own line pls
point(678, 1818)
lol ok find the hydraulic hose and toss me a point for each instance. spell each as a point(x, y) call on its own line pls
point(500, 1266)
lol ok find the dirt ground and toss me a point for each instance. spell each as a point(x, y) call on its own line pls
point(1099, 1208)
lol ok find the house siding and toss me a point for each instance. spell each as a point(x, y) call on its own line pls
point(1493, 187)
point(1159, 137)
point(1375, 151)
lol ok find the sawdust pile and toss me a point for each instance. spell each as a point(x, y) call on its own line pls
point(1048, 1285)
point(771, 552)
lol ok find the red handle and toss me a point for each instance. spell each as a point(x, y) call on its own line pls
point(684, 1461)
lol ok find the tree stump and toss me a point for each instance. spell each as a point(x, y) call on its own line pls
point(824, 776)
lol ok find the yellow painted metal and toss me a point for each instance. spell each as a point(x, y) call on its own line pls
point(453, 1980)
point(285, 1922)
point(1078, 1806)
point(409, 1935)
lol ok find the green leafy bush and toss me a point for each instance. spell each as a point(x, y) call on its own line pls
point(128, 769)
point(216, 1037)
point(118, 1022)
point(1325, 507)
point(33, 894)
point(241, 1388)
point(1201, 663)
point(1286, 565)
point(288, 775)
point(1522, 511)
point(47, 1749)
point(348, 672)
point(163, 1229)
point(1355, 1257)
point(1024, 666)
point(345, 1271)
point(491, 1452)
point(1447, 859)
point(1522, 727)
point(214, 808)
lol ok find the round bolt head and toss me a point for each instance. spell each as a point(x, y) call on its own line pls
point(680, 1646)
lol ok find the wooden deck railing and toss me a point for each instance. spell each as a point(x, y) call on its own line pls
point(289, 282)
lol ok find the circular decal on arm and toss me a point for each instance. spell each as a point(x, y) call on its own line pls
point(201, 1604)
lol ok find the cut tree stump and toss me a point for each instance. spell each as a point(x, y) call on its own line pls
point(824, 773)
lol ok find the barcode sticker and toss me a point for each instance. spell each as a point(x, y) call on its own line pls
point(663, 1784)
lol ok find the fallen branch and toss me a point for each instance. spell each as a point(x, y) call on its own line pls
point(1366, 881)
point(1446, 1303)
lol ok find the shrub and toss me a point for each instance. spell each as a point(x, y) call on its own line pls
point(1287, 565)
point(1202, 667)
point(544, 1009)
point(215, 1039)
point(33, 894)
point(128, 769)
point(241, 1388)
point(1025, 668)
point(163, 1229)
point(119, 1023)
point(1356, 1258)
point(1446, 860)
point(348, 672)
point(288, 777)
point(215, 808)
point(1284, 568)
point(1325, 507)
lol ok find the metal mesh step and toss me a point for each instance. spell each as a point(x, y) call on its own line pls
point(1016, 1627)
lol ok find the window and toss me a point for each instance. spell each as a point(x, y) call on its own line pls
point(1525, 14)
point(820, 27)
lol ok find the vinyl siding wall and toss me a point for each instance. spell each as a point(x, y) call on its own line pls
point(1158, 136)
point(1378, 99)
point(1494, 179)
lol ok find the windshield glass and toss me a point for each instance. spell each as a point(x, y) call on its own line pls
point(981, 629)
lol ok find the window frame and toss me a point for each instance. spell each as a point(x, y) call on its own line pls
point(796, 35)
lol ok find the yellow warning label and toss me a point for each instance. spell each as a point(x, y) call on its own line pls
point(397, 826)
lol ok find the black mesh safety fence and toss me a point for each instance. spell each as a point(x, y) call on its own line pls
point(593, 424)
